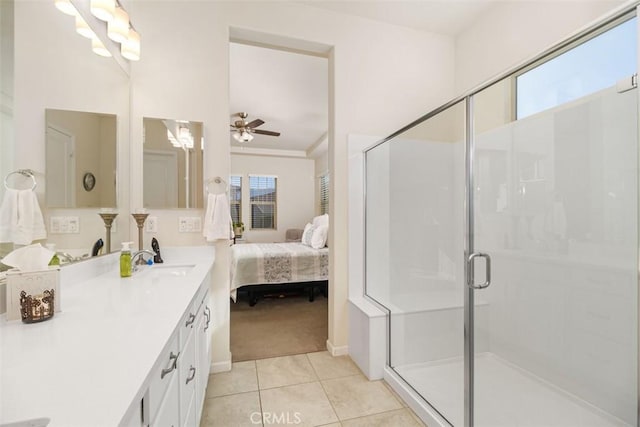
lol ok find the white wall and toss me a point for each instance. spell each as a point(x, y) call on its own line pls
point(513, 31)
point(366, 98)
point(295, 192)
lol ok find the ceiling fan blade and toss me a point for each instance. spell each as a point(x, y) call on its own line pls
point(266, 132)
point(255, 123)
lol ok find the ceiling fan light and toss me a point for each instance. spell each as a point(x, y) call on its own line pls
point(103, 9)
point(242, 136)
point(65, 7)
point(118, 27)
point(99, 49)
point(83, 29)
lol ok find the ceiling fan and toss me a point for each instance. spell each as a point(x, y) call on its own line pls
point(242, 129)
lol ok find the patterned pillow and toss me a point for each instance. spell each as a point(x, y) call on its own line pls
point(307, 234)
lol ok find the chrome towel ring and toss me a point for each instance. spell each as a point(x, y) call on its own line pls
point(24, 172)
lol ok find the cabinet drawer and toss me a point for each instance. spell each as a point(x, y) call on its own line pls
point(169, 412)
point(188, 375)
point(188, 321)
point(163, 373)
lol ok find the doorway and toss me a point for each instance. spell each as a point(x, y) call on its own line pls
point(279, 96)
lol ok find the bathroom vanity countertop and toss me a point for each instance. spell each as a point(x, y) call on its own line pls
point(88, 364)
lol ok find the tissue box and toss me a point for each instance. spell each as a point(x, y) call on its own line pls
point(33, 283)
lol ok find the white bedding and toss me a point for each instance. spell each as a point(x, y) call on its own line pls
point(271, 263)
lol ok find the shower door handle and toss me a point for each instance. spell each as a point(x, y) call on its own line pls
point(471, 279)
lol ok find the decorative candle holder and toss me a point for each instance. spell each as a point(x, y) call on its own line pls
point(140, 219)
point(108, 221)
point(37, 308)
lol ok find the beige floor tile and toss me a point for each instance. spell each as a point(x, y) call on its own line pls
point(398, 418)
point(236, 410)
point(301, 404)
point(283, 371)
point(240, 379)
point(331, 425)
point(328, 366)
point(356, 396)
point(402, 402)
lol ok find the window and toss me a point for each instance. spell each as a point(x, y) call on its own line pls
point(235, 198)
point(574, 73)
point(262, 192)
point(324, 194)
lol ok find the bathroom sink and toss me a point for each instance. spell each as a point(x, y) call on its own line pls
point(170, 270)
point(37, 422)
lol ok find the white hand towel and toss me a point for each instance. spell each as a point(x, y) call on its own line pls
point(217, 220)
point(21, 219)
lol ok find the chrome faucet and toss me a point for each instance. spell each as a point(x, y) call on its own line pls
point(140, 256)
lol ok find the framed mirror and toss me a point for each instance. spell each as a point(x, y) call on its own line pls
point(172, 164)
point(81, 154)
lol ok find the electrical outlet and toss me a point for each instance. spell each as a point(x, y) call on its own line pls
point(151, 225)
point(73, 224)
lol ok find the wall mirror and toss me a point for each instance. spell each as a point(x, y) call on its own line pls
point(76, 81)
point(80, 166)
point(172, 164)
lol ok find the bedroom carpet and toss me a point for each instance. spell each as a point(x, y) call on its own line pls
point(278, 327)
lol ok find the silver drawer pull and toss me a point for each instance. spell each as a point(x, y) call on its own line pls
point(193, 375)
point(174, 358)
point(208, 314)
point(190, 320)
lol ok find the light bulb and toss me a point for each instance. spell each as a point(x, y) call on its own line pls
point(83, 29)
point(130, 48)
point(66, 7)
point(103, 9)
point(118, 27)
point(98, 48)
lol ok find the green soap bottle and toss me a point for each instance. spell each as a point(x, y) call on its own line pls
point(54, 259)
point(125, 260)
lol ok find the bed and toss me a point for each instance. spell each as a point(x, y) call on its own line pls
point(270, 267)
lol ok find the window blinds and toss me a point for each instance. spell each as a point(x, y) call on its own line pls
point(324, 194)
point(263, 196)
point(235, 198)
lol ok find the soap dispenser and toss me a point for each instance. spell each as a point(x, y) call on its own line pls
point(55, 260)
point(125, 259)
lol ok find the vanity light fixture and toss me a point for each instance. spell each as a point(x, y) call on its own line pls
point(103, 9)
point(118, 27)
point(98, 48)
point(66, 7)
point(83, 29)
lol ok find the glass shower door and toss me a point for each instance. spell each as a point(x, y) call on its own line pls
point(555, 206)
point(414, 247)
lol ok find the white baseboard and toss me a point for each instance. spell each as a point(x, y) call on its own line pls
point(223, 366)
point(337, 351)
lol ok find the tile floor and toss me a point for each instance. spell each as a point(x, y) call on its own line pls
point(313, 389)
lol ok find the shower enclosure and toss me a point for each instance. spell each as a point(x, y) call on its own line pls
point(502, 240)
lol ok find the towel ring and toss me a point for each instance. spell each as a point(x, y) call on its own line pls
point(24, 172)
point(217, 180)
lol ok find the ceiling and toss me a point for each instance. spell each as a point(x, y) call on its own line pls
point(289, 91)
point(448, 17)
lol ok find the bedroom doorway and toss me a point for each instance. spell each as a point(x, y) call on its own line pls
point(279, 126)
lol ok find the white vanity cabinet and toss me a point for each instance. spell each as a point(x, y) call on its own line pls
point(178, 384)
